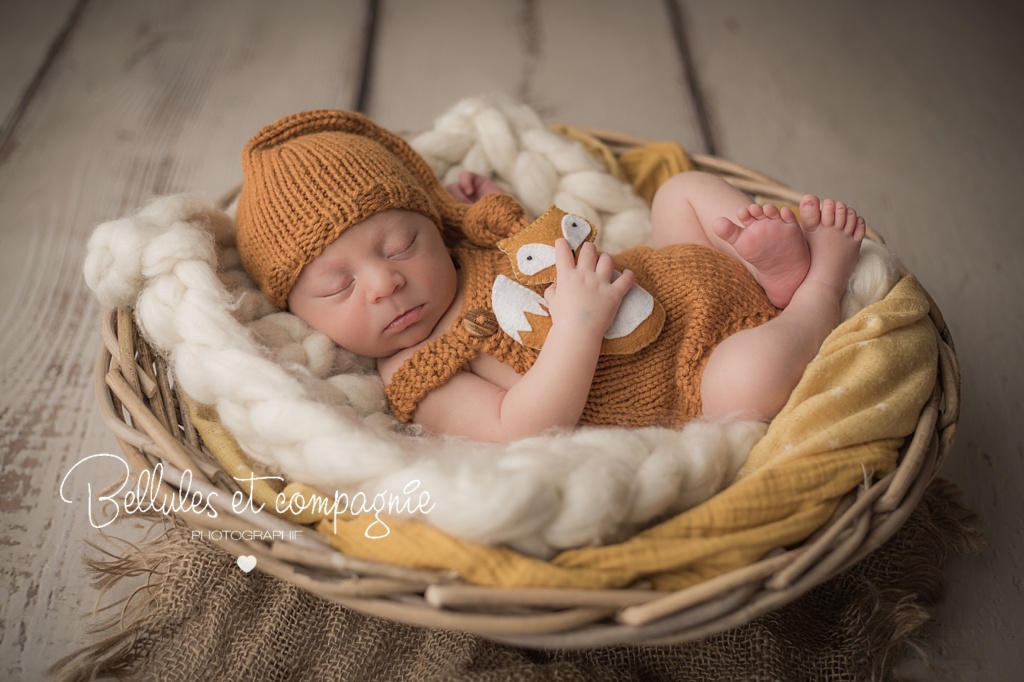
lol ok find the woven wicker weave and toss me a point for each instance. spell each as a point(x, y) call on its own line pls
point(150, 421)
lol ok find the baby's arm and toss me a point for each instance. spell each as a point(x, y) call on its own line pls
point(554, 391)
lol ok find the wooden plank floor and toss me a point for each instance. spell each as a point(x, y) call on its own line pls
point(910, 110)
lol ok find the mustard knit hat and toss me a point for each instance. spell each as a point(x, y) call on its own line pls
point(310, 176)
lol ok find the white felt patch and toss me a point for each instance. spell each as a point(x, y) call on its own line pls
point(636, 307)
point(532, 258)
point(575, 230)
point(510, 300)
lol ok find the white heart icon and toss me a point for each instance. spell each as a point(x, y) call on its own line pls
point(247, 562)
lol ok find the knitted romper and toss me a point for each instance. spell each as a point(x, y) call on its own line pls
point(706, 296)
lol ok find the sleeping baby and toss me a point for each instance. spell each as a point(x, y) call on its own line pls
point(489, 325)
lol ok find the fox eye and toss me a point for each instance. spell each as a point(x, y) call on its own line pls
point(532, 258)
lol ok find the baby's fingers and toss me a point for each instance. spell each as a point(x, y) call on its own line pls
point(550, 293)
point(624, 282)
point(563, 255)
point(587, 258)
point(605, 267)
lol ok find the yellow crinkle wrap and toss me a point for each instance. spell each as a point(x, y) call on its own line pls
point(848, 415)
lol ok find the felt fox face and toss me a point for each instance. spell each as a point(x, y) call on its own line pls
point(532, 250)
point(522, 313)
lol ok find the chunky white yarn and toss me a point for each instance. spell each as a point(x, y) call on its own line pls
point(497, 137)
point(316, 413)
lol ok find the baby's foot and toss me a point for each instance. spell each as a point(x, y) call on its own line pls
point(774, 247)
point(834, 233)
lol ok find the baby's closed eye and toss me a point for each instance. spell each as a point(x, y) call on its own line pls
point(333, 287)
point(400, 246)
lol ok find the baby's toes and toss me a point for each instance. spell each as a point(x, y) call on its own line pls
point(743, 215)
point(840, 215)
point(727, 229)
point(810, 212)
point(770, 211)
point(828, 213)
point(860, 229)
point(787, 215)
point(756, 210)
point(851, 221)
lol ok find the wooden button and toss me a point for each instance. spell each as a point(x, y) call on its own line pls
point(480, 322)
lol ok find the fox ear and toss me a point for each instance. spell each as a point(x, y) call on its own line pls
point(575, 230)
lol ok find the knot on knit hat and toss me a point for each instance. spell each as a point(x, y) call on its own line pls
point(310, 176)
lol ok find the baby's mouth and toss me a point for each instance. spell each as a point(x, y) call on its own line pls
point(409, 317)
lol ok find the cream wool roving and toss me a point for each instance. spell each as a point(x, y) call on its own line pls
point(497, 137)
point(315, 413)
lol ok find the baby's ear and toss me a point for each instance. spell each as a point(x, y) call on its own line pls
point(493, 218)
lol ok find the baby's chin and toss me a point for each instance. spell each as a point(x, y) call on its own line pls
point(392, 349)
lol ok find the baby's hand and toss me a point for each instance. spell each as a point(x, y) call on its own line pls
point(587, 293)
point(471, 187)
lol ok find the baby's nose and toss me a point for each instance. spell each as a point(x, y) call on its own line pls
point(383, 282)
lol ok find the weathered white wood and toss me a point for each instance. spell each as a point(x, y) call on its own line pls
point(912, 112)
point(27, 32)
point(147, 97)
point(603, 64)
point(907, 109)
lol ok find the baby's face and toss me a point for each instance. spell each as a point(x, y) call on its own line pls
point(381, 287)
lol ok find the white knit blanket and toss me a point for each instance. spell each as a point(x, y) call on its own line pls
point(316, 414)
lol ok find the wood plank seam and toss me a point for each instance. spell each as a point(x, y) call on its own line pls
point(369, 47)
point(678, 24)
point(11, 124)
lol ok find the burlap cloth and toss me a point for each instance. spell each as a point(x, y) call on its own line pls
point(201, 618)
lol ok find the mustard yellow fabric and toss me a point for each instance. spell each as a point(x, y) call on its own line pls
point(593, 145)
point(847, 418)
point(645, 166)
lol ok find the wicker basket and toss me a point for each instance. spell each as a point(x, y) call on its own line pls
point(151, 422)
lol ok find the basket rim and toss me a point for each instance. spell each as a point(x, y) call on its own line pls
point(145, 412)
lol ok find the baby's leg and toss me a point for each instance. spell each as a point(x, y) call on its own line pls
point(690, 207)
point(752, 373)
point(686, 205)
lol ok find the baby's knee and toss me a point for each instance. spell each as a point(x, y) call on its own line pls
point(686, 185)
